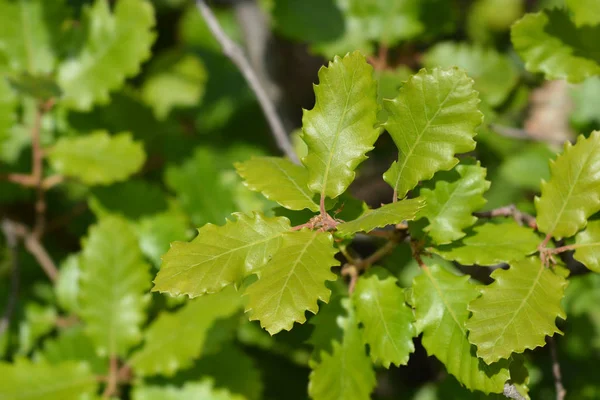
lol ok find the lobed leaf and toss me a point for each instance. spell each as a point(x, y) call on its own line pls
point(220, 255)
point(339, 130)
point(387, 321)
point(113, 284)
point(202, 390)
point(346, 373)
point(588, 250)
point(97, 158)
point(64, 381)
point(280, 180)
point(433, 118)
point(517, 311)
point(440, 299)
point(585, 12)
point(573, 192)
point(389, 214)
point(175, 339)
point(449, 205)
point(550, 43)
point(293, 281)
point(491, 244)
point(115, 46)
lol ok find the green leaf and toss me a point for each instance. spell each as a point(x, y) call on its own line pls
point(550, 43)
point(132, 199)
point(220, 255)
point(491, 244)
point(585, 12)
point(116, 45)
point(389, 214)
point(72, 344)
point(175, 339)
point(585, 97)
point(174, 80)
point(66, 287)
point(39, 321)
point(449, 205)
point(433, 118)
point(387, 321)
point(527, 167)
point(30, 32)
point(440, 300)
point(494, 74)
point(97, 158)
point(517, 311)
point(588, 250)
point(113, 285)
point(8, 105)
point(280, 180)
point(24, 380)
point(346, 373)
point(573, 192)
point(293, 281)
point(202, 390)
point(339, 130)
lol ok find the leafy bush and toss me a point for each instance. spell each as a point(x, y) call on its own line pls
point(325, 273)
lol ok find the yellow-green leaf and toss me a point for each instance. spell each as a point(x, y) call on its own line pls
point(588, 246)
point(389, 214)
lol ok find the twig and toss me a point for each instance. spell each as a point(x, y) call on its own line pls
point(236, 55)
point(511, 392)
point(33, 245)
point(560, 389)
point(509, 211)
point(113, 378)
point(10, 233)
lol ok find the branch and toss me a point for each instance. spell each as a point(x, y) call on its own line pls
point(9, 230)
point(511, 392)
point(509, 211)
point(112, 382)
point(236, 55)
point(33, 245)
point(560, 389)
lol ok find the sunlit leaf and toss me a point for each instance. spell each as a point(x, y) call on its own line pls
point(440, 300)
point(97, 158)
point(550, 43)
point(220, 255)
point(280, 180)
point(39, 321)
point(202, 390)
point(585, 12)
point(113, 285)
point(175, 339)
point(345, 373)
point(588, 250)
point(491, 244)
point(573, 192)
point(389, 214)
point(66, 287)
point(517, 311)
point(8, 104)
point(115, 46)
point(339, 130)
point(387, 321)
point(292, 282)
point(433, 118)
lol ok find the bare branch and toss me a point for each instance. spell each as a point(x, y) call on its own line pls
point(509, 211)
point(236, 55)
point(33, 245)
point(11, 235)
point(511, 392)
point(560, 389)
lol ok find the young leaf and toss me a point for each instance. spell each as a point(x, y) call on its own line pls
point(387, 321)
point(495, 75)
point(174, 340)
point(573, 192)
point(449, 206)
point(339, 130)
point(220, 255)
point(65, 381)
point(346, 373)
point(114, 280)
point(97, 158)
point(588, 252)
point(202, 390)
point(440, 300)
point(433, 118)
point(116, 45)
point(517, 311)
point(393, 213)
point(585, 12)
point(550, 43)
point(30, 32)
point(280, 180)
point(293, 281)
point(491, 244)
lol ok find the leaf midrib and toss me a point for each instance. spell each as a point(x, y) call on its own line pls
point(293, 181)
point(446, 305)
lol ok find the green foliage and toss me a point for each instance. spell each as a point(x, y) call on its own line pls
point(585, 12)
point(393, 213)
point(426, 104)
point(192, 390)
point(588, 242)
point(573, 192)
point(517, 311)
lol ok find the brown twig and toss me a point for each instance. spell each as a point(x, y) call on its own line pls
point(11, 236)
point(236, 55)
point(560, 389)
point(509, 211)
point(35, 247)
point(112, 379)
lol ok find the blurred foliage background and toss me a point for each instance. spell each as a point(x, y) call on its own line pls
point(194, 116)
